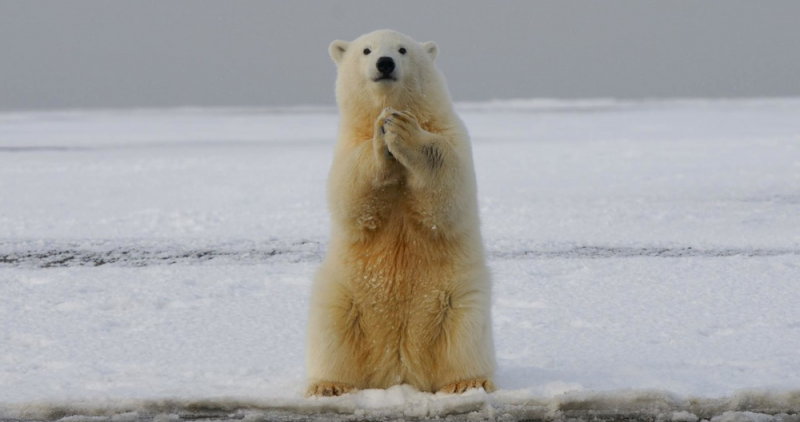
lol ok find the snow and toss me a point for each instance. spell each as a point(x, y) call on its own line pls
point(155, 264)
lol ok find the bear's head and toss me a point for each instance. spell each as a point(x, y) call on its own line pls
point(385, 68)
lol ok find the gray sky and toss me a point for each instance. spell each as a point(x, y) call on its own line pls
point(155, 53)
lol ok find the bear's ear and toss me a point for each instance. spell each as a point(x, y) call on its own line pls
point(432, 49)
point(337, 49)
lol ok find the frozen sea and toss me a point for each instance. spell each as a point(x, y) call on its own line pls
point(156, 264)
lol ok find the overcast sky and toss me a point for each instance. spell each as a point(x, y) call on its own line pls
point(88, 54)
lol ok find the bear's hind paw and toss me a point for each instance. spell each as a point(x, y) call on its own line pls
point(329, 389)
point(462, 386)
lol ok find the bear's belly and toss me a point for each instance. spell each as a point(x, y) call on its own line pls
point(401, 286)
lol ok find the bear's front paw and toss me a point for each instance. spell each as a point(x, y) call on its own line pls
point(462, 386)
point(329, 389)
point(378, 139)
point(400, 129)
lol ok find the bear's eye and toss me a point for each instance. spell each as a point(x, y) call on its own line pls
point(402, 50)
point(367, 51)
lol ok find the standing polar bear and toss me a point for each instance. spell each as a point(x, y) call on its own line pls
point(403, 295)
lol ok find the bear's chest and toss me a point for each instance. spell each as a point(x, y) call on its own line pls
point(390, 213)
point(399, 257)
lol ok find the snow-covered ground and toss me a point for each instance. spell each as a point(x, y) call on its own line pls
point(646, 262)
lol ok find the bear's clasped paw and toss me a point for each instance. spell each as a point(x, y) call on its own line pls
point(399, 129)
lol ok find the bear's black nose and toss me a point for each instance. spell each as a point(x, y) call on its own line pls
point(385, 65)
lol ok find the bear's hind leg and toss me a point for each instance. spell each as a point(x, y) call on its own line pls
point(336, 349)
point(463, 347)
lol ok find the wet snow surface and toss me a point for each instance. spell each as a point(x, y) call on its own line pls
point(156, 264)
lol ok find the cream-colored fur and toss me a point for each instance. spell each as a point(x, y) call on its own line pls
point(403, 295)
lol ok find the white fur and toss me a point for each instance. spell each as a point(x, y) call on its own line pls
point(403, 295)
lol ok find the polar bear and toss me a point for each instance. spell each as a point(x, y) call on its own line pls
point(403, 295)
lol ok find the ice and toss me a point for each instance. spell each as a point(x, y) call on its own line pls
point(156, 264)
